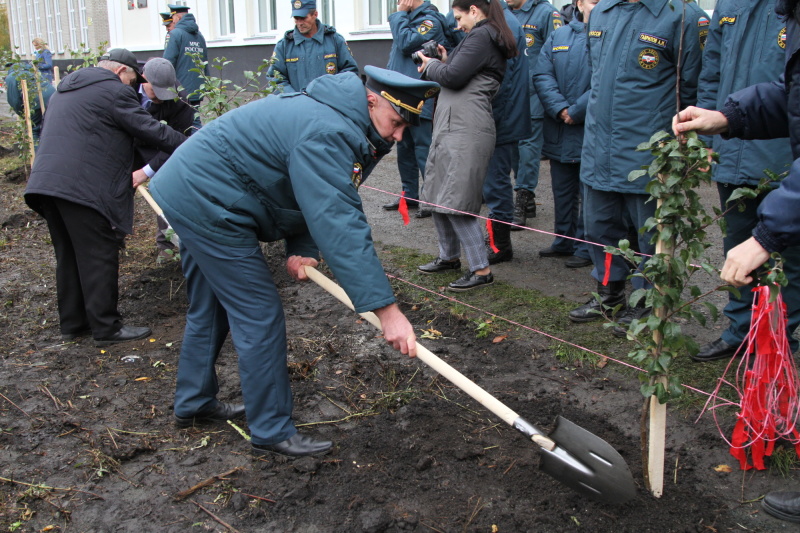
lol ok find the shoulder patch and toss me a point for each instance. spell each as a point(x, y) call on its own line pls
point(782, 38)
point(557, 23)
point(658, 42)
point(425, 27)
point(703, 21)
point(703, 35)
point(727, 20)
point(648, 59)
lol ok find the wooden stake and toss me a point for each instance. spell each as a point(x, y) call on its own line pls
point(38, 78)
point(657, 434)
point(56, 77)
point(27, 108)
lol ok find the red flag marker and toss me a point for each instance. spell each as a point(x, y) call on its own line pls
point(607, 269)
point(490, 231)
point(402, 208)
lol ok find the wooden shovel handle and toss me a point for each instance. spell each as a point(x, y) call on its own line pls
point(146, 195)
point(427, 357)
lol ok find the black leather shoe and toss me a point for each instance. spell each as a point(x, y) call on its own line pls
point(424, 213)
point(715, 350)
point(630, 314)
point(783, 505)
point(611, 296)
point(440, 265)
point(295, 446)
point(549, 252)
point(76, 334)
point(394, 206)
point(126, 333)
point(222, 412)
point(471, 280)
point(577, 262)
point(501, 256)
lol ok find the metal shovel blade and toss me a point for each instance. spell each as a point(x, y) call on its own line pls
point(588, 464)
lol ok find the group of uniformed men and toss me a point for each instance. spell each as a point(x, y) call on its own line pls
point(225, 192)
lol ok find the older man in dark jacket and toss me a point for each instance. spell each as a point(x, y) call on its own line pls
point(81, 183)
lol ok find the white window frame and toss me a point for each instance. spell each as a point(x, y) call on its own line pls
point(59, 33)
point(29, 5)
point(327, 11)
point(378, 18)
point(266, 22)
point(226, 18)
point(37, 18)
point(73, 27)
point(49, 24)
point(84, 25)
point(19, 28)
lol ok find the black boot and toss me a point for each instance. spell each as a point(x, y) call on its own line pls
point(611, 295)
point(502, 240)
point(522, 207)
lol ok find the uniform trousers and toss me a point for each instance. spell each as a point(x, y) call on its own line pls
point(412, 154)
point(605, 223)
point(740, 225)
point(461, 231)
point(231, 289)
point(568, 192)
point(87, 266)
point(498, 193)
point(530, 155)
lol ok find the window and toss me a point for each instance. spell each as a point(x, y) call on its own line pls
point(227, 19)
point(49, 24)
point(37, 19)
point(73, 25)
point(327, 12)
point(84, 25)
point(266, 16)
point(379, 11)
point(31, 27)
point(707, 5)
point(59, 44)
point(19, 29)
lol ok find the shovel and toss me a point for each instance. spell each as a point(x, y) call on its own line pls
point(572, 455)
point(170, 233)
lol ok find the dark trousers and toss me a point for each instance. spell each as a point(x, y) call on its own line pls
point(412, 153)
point(568, 192)
point(231, 289)
point(530, 156)
point(498, 192)
point(740, 226)
point(605, 223)
point(87, 266)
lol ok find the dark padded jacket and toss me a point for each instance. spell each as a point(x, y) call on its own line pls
point(86, 149)
point(185, 38)
point(178, 115)
point(767, 111)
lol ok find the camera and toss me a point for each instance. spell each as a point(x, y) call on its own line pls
point(430, 49)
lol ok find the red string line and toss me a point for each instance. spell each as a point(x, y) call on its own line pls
point(523, 326)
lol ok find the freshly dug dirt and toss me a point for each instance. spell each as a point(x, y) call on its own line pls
point(87, 441)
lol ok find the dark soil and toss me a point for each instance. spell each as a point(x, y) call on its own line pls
point(87, 441)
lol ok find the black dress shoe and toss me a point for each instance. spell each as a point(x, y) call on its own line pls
point(222, 412)
point(295, 446)
point(470, 281)
point(715, 350)
point(126, 333)
point(76, 334)
point(549, 252)
point(440, 265)
point(638, 312)
point(501, 256)
point(394, 206)
point(783, 505)
point(423, 213)
point(577, 262)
